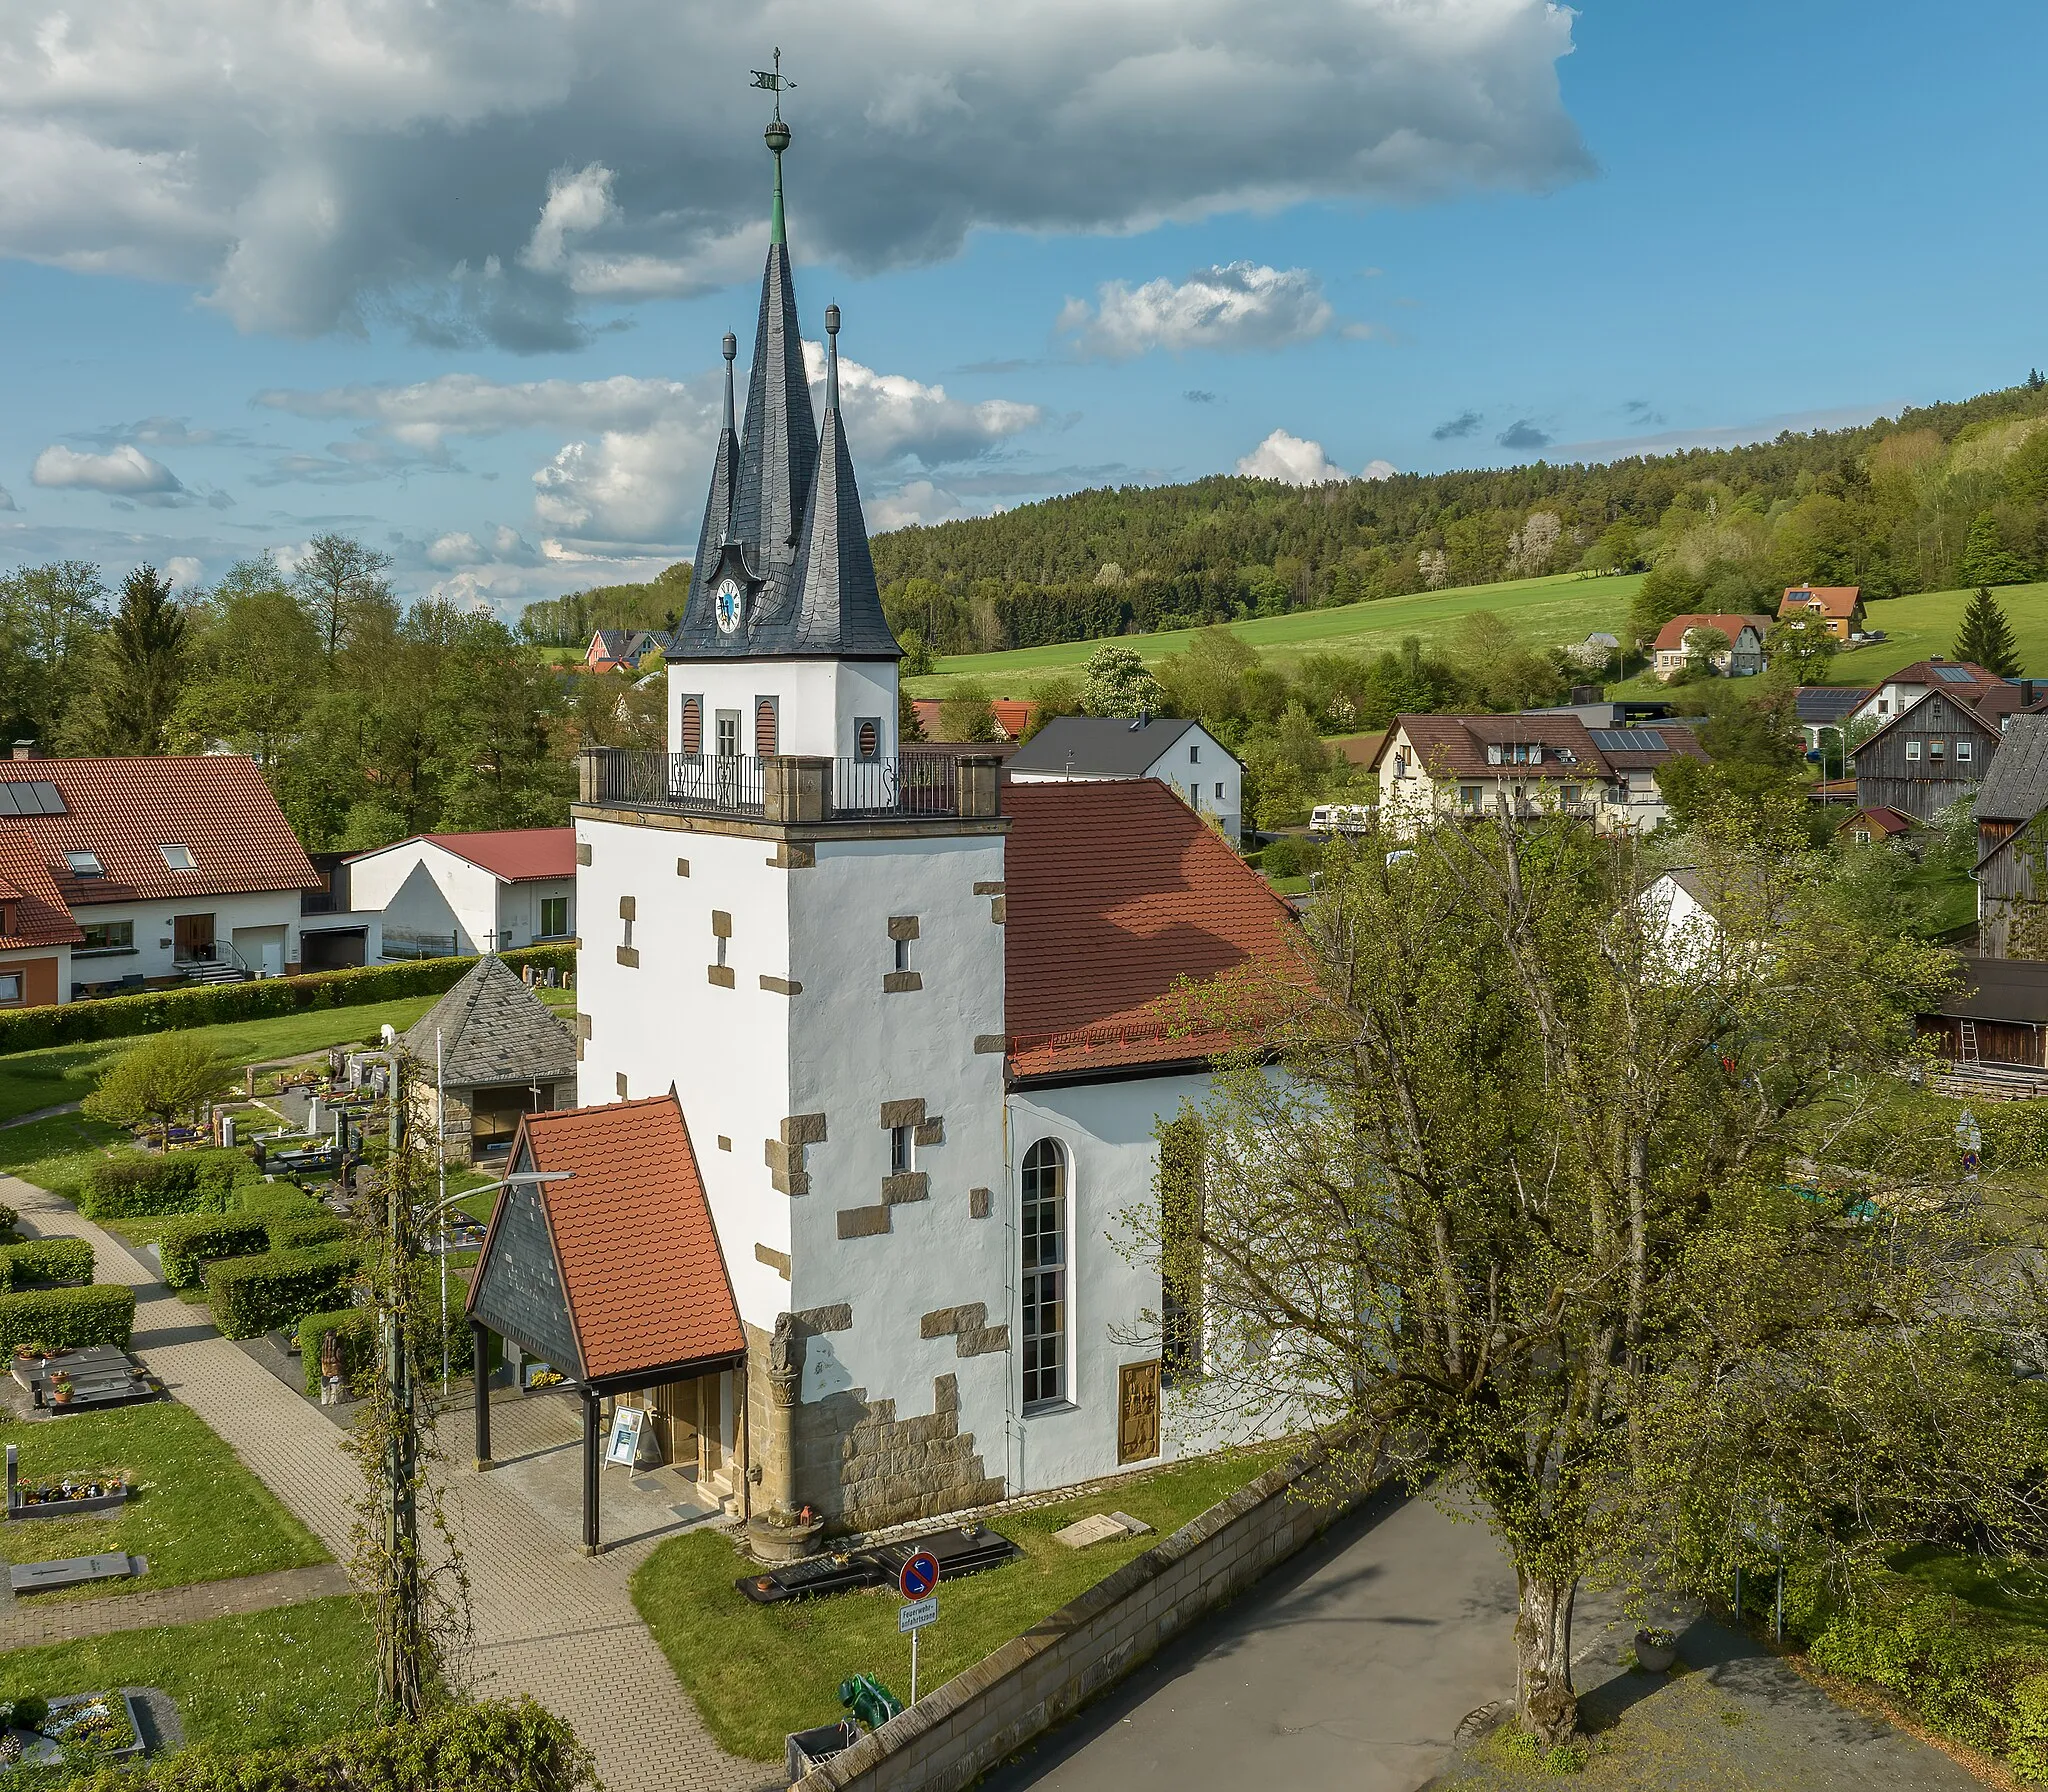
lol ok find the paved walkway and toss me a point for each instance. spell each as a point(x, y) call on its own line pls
point(548, 1622)
point(30, 1622)
point(62, 1107)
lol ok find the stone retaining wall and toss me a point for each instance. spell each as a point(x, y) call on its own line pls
point(978, 1719)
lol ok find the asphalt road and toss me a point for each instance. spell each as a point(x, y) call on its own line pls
point(1351, 1666)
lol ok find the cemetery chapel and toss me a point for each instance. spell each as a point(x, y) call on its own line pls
point(881, 1044)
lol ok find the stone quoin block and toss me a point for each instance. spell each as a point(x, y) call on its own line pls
point(720, 974)
point(930, 1132)
point(776, 1260)
point(583, 852)
point(629, 956)
point(903, 927)
point(990, 887)
point(947, 1322)
point(897, 1190)
point(862, 1222)
point(981, 1203)
point(794, 855)
point(781, 986)
point(986, 1043)
point(903, 1113)
point(682, 867)
point(899, 983)
point(620, 1084)
point(825, 1319)
point(721, 924)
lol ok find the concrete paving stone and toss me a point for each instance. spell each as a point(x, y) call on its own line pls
point(533, 1595)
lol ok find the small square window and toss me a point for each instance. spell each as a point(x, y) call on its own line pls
point(902, 1150)
point(178, 858)
point(1963, 749)
point(1912, 750)
point(1195, 754)
point(1219, 790)
point(84, 864)
point(902, 955)
point(10, 987)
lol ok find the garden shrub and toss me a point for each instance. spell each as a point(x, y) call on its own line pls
point(190, 1242)
point(253, 1295)
point(134, 1185)
point(45, 1260)
point(356, 1328)
point(7, 1217)
point(71, 1317)
point(204, 1005)
point(276, 1201)
point(496, 1743)
point(292, 1232)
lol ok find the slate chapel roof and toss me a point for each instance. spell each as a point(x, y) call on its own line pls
point(494, 1030)
point(787, 502)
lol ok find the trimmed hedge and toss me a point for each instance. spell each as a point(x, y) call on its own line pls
point(357, 1327)
point(75, 1317)
point(294, 1232)
point(45, 1260)
point(191, 1242)
point(134, 1185)
point(496, 1743)
point(253, 1295)
point(204, 1005)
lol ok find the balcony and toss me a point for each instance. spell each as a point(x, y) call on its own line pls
point(789, 788)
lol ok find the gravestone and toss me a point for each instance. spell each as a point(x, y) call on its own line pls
point(72, 1571)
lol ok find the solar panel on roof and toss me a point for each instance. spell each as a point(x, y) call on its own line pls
point(1954, 675)
point(30, 796)
point(1627, 740)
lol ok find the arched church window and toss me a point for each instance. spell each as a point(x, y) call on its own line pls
point(1044, 1239)
point(693, 726)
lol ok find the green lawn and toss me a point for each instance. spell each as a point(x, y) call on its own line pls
point(56, 1153)
point(60, 1073)
point(1549, 612)
point(1921, 626)
point(758, 1672)
point(198, 1515)
point(270, 1679)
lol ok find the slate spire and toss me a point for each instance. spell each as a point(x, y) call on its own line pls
point(725, 462)
point(839, 606)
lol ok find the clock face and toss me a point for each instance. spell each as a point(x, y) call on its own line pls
point(728, 597)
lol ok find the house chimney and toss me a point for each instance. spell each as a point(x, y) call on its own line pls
point(2026, 693)
point(22, 749)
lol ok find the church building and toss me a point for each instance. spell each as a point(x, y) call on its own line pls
point(913, 1018)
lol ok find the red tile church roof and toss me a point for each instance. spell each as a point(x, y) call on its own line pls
point(641, 1267)
point(1115, 891)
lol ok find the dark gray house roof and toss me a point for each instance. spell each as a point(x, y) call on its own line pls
point(781, 517)
point(494, 1030)
point(2016, 786)
point(1827, 702)
point(1098, 746)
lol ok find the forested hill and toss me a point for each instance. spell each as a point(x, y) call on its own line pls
point(1941, 495)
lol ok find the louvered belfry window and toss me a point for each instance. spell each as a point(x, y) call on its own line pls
point(868, 738)
point(764, 728)
point(693, 726)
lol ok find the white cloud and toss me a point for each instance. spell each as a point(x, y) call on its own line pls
point(481, 171)
point(1292, 461)
point(124, 472)
point(183, 569)
point(1378, 469)
point(424, 415)
point(628, 486)
point(7, 500)
point(890, 416)
point(1241, 306)
point(915, 501)
point(459, 548)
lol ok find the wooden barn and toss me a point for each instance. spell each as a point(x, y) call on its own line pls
point(1933, 755)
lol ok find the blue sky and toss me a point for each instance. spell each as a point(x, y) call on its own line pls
point(414, 282)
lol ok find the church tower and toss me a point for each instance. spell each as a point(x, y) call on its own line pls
point(800, 928)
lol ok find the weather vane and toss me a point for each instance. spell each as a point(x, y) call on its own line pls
point(772, 80)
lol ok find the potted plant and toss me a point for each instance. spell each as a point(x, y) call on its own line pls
point(60, 1389)
point(1656, 1650)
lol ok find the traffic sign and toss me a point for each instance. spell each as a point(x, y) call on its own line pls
point(917, 1614)
point(920, 1575)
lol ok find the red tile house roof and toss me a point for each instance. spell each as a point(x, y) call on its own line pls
point(1671, 637)
point(626, 1240)
point(1113, 892)
point(31, 911)
point(1836, 601)
point(518, 855)
point(126, 811)
point(1456, 746)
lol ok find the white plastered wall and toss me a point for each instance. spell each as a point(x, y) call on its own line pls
point(421, 888)
point(856, 1047)
point(268, 914)
point(664, 1021)
point(819, 703)
point(1196, 779)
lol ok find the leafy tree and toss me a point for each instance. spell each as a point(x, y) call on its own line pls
point(49, 618)
point(966, 714)
point(138, 671)
point(908, 727)
point(1525, 1193)
point(1117, 683)
point(1986, 638)
point(165, 1078)
point(1757, 760)
point(917, 657)
point(1986, 559)
point(249, 668)
point(338, 581)
point(1799, 649)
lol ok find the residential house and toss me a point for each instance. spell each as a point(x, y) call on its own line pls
point(2011, 885)
point(449, 895)
point(922, 1030)
point(1680, 642)
point(1876, 826)
point(171, 869)
point(489, 1051)
point(1936, 751)
point(1985, 691)
point(620, 649)
point(1013, 717)
point(1182, 755)
point(1840, 606)
point(1545, 760)
point(37, 930)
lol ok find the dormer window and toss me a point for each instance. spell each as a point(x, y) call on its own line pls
point(178, 858)
point(85, 864)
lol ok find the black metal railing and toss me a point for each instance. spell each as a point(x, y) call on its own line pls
point(789, 789)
